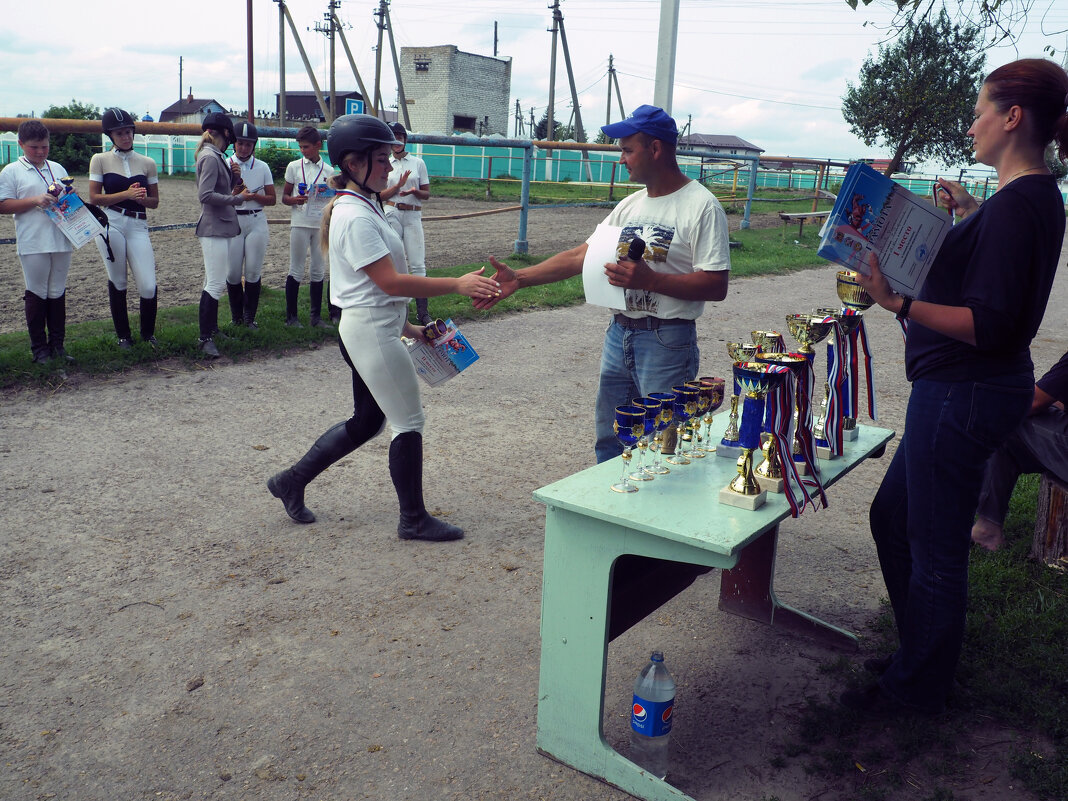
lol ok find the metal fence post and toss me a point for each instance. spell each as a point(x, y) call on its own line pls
point(524, 198)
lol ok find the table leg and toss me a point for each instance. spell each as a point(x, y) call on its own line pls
point(746, 590)
point(576, 583)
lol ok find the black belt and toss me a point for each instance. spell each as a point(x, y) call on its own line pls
point(137, 215)
point(249, 211)
point(648, 323)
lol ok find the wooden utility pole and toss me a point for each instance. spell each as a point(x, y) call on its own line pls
point(580, 133)
point(368, 103)
point(613, 79)
point(248, 16)
point(381, 15)
point(608, 108)
point(327, 28)
point(557, 17)
point(281, 64)
point(402, 101)
point(307, 66)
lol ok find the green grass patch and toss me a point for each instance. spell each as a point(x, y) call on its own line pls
point(769, 251)
point(1013, 674)
point(92, 344)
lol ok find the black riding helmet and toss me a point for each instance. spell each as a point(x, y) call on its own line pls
point(246, 130)
point(399, 130)
point(356, 133)
point(219, 122)
point(114, 118)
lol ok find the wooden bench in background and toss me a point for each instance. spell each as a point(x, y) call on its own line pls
point(799, 217)
point(1050, 544)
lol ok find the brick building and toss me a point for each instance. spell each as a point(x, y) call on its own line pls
point(450, 91)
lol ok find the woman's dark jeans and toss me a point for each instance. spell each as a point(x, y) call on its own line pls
point(921, 521)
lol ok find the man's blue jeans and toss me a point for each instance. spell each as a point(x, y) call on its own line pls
point(921, 521)
point(635, 363)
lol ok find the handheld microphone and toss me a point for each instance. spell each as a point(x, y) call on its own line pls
point(636, 249)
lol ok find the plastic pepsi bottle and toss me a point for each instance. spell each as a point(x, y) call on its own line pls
point(650, 717)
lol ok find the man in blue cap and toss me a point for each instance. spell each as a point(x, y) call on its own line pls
point(651, 345)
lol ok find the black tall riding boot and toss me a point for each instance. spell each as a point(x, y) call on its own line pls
point(236, 294)
point(422, 311)
point(292, 288)
point(209, 321)
point(288, 486)
point(252, 302)
point(35, 323)
point(56, 314)
point(315, 291)
point(120, 315)
point(148, 317)
point(406, 470)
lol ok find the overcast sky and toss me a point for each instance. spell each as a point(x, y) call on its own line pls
point(770, 71)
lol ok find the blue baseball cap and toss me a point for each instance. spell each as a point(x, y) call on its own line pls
point(644, 119)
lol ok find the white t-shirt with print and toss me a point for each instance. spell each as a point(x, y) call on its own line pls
point(34, 230)
point(684, 232)
point(360, 235)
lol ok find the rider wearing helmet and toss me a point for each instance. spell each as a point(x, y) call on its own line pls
point(219, 190)
point(247, 249)
point(125, 184)
point(369, 281)
point(408, 190)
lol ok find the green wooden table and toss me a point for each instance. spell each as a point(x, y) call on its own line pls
point(678, 518)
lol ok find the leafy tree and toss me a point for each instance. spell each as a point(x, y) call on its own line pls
point(1000, 21)
point(71, 150)
point(917, 95)
point(542, 128)
point(277, 158)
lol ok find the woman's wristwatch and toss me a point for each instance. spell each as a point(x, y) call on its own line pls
point(906, 304)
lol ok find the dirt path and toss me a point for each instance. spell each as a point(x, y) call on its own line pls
point(170, 634)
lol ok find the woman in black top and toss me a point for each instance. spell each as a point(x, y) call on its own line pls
point(967, 355)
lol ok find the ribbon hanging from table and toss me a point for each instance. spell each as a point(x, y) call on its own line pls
point(861, 334)
point(779, 419)
point(836, 377)
point(803, 436)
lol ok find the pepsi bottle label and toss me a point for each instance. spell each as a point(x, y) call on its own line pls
point(651, 718)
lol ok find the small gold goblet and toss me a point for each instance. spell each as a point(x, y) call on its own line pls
point(851, 293)
point(808, 330)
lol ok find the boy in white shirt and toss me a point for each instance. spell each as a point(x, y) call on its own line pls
point(28, 186)
point(308, 176)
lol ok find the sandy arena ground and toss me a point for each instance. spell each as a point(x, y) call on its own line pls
point(170, 634)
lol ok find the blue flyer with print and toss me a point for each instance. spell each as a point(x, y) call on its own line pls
point(448, 356)
point(71, 216)
point(875, 215)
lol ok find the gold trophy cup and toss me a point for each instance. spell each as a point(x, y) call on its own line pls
point(728, 446)
point(755, 381)
point(808, 330)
